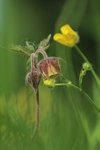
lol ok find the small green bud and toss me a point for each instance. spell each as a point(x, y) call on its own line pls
point(86, 66)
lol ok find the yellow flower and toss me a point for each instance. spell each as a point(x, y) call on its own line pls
point(67, 37)
point(49, 82)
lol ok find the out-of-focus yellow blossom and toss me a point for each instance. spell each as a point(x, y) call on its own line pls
point(49, 82)
point(67, 37)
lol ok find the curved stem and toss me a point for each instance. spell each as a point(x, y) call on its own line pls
point(41, 51)
point(34, 56)
point(80, 90)
point(86, 60)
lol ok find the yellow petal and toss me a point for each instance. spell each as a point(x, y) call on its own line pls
point(70, 34)
point(68, 40)
point(60, 38)
point(72, 39)
point(67, 29)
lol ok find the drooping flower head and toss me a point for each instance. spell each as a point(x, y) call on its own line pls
point(49, 66)
point(67, 37)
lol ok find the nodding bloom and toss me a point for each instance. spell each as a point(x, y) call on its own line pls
point(67, 37)
point(49, 66)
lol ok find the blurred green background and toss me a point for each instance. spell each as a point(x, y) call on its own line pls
point(67, 120)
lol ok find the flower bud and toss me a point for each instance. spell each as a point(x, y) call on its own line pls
point(49, 82)
point(87, 66)
point(33, 78)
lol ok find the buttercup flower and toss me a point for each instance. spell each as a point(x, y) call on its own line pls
point(67, 37)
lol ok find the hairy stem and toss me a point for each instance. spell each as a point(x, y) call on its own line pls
point(41, 51)
point(37, 109)
point(37, 114)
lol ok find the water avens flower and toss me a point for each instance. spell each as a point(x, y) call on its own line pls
point(67, 37)
point(49, 66)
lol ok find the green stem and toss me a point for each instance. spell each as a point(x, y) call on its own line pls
point(86, 60)
point(80, 90)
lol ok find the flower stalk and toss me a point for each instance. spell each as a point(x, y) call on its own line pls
point(70, 84)
point(87, 61)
